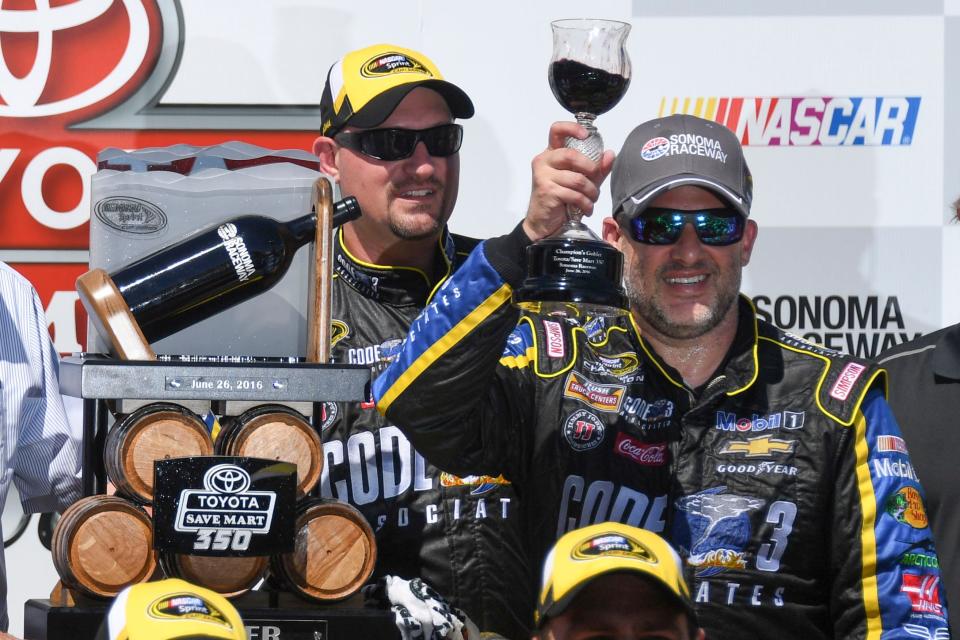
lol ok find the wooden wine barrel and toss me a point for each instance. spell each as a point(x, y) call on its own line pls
point(229, 577)
point(154, 432)
point(102, 544)
point(276, 432)
point(335, 552)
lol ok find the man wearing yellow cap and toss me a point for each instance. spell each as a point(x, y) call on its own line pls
point(389, 138)
point(614, 581)
point(171, 610)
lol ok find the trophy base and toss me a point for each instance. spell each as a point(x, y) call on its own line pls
point(569, 304)
point(572, 277)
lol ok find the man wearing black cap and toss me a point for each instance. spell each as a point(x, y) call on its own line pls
point(390, 139)
point(770, 463)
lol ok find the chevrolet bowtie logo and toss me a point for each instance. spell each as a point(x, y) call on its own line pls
point(759, 447)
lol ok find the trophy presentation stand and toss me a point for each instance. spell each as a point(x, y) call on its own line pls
point(124, 386)
point(142, 426)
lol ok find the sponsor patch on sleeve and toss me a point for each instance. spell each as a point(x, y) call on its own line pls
point(906, 507)
point(891, 444)
point(844, 384)
point(554, 333)
point(583, 430)
point(648, 455)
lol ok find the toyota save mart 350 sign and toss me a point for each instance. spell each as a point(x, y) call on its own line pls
point(77, 76)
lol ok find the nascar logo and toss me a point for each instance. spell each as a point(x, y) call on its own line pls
point(891, 444)
point(807, 121)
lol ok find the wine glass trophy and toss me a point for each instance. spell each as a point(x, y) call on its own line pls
point(575, 273)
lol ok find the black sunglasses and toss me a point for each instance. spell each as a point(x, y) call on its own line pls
point(396, 144)
point(715, 227)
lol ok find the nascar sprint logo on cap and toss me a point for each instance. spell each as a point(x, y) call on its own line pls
point(393, 62)
point(181, 606)
point(613, 544)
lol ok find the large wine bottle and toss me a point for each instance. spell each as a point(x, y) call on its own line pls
point(214, 269)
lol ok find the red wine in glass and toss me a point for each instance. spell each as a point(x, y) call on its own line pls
point(574, 273)
point(584, 89)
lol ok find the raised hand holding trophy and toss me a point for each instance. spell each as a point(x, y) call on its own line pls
point(575, 273)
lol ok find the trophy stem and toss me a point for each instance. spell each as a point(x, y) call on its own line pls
point(575, 274)
point(592, 147)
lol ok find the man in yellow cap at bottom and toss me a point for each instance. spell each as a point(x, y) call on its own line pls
point(171, 610)
point(614, 581)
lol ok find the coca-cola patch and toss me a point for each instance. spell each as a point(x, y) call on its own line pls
point(648, 455)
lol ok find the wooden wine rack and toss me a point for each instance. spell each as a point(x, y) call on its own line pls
point(106, 383)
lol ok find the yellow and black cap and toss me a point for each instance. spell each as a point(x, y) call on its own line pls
point(582, 555)
point(171, 610)
point(365, 86)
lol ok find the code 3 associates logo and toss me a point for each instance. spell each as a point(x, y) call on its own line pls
point(807, 121)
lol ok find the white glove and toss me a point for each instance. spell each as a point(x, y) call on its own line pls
point(419, 611)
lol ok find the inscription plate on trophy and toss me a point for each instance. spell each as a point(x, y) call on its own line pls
point(580, 261)
point(224, 506)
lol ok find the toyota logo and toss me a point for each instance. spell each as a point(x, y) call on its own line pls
point(21, 95)
point(226, 478)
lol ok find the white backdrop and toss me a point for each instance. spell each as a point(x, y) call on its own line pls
point(858, 235)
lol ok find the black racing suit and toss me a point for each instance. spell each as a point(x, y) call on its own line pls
point(460, 534)
point(784, 482)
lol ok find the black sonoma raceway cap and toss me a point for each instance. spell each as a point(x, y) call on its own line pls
point(678, 150)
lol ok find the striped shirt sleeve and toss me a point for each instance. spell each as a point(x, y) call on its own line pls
point(41, 450)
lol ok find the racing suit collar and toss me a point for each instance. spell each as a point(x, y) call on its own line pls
point(740, 366)
point(946, 357)
point(392, 285)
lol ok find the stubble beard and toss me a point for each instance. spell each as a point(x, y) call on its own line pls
point(405, 230)
point(403, 225)
point(647, 306)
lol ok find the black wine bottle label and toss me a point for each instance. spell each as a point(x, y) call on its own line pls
point(237, 250)
point(215, 269)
